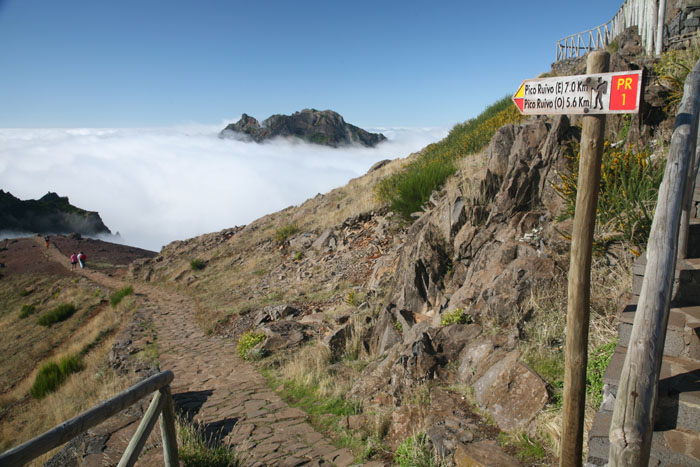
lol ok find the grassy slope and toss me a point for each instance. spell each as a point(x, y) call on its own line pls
point(25, 345)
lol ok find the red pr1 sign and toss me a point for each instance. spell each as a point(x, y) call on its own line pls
point(600, 93)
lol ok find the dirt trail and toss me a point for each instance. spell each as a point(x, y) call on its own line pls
point(218, 390)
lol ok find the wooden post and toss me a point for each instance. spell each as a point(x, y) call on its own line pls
point(685, 213)
point(577, 316)
point(633, 418)
point(141, 435)
point(68, 430)
point(167, 429)
point(660, 25)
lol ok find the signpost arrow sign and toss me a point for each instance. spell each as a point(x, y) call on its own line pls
point(600, 93)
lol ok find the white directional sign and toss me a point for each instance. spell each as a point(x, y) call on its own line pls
point(602, 93)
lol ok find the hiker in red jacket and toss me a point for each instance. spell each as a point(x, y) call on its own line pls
point(73, 261)
point(81, 259)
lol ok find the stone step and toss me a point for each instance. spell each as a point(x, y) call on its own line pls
point(675, 439)
point(675, 447)
point(679, 390)
point(670, 447)
point(682, 333)
point(687, 280)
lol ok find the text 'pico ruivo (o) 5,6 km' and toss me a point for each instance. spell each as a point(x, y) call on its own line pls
point(602, 93)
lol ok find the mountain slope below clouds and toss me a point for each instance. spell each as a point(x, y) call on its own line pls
point(51, 214)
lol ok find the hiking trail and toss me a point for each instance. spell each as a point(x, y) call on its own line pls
point(218, 390)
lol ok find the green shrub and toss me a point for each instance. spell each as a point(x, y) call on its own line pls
point(195, 451)
point(60, 313)
point(414, 452)
point(26, 311)
point(408, 190)
point(247, 341)
point(116, 297)
point(629, 186)
point(25, 292)
point(456, 316)
point(672, 70)
point(597, 364)
point(198, 264)
point(283, 233)
point(51, 375)
point(47, 380)
point(71, 364)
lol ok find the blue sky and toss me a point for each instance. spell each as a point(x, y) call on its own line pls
point(152, 63)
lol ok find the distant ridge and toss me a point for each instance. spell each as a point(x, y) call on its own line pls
point(324, 127)
point(51, 214)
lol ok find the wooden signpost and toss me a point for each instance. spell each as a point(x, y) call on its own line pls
point(593, 95)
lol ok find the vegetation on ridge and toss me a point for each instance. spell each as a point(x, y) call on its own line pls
point(407, 191)
point(629, 186)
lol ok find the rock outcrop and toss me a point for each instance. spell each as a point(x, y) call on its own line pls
point(50, 214)
point(314, 126)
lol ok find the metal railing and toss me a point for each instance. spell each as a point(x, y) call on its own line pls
point(633, 418)
point(161, 404)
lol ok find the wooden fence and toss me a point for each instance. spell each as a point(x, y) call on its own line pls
point(633, 418)
point(647, 15)
point(162, 404)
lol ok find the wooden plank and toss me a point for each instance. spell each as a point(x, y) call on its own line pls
point(68, 430)
point(578, 305)
point(167, 429)
point(633, 417)
point(138, 440)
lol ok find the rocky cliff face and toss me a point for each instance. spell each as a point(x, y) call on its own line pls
point(314, 126)
point(481, 246)
point(50, 214)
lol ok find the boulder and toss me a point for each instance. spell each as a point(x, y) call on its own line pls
point(406, 421)
point(450, 340)
point(511, 393)
point(282, 334)
point(337, 340)
point(274, 313)
point(326, 241)
point(418, 362)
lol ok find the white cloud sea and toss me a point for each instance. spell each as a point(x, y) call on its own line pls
point(156, 185)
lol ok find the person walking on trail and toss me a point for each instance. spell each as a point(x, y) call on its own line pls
point(73, 261)
point(46, 239)
point(81, 259)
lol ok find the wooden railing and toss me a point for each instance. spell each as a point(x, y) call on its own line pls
point(579, 44)
point(633, 418)
point(162, 404)
point(647, 15)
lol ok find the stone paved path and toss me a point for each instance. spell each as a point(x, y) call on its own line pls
point(223, 393)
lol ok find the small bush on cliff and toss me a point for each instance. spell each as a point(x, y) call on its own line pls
point(197, 264)
point(629, 186)
point(116, 297)
point(456, 316)
point(247, 341)
point(672, 70)
point(415, 452)
point(60, 313)
point(408, 190)
point(283, 233)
